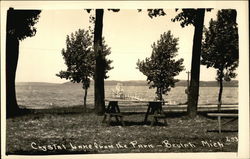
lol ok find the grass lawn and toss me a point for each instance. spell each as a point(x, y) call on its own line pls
point(72, 130)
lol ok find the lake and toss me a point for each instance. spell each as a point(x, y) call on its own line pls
point(32, 95)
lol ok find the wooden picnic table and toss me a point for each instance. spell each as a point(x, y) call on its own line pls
point(154, 109)
point(225, 115)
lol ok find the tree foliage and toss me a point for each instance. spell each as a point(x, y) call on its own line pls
point(155, 12)
point(21, 23)
point(220, 48)
point(187, 17)
point(79, 58)
point(162, 67)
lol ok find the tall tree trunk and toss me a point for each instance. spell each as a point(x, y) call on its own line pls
point(99, 69)
point(195, 68)
point(85, 98)
point(220, 93)
point(12, 51)
point(160, 94)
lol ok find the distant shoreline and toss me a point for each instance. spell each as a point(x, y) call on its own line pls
point(181, 83)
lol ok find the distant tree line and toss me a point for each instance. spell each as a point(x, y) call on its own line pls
point(180, 83)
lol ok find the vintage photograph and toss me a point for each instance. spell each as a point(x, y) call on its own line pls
point(114, 80)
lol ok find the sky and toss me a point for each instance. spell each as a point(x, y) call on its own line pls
point(129, 34)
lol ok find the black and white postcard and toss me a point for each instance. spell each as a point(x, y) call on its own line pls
point(165, 79)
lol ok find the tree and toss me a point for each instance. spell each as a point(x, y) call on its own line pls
point(20, 25)
point(187, 17)
point(161, 67)
point(220, 48)
point(100, 62)
point(99, 69)
point(194, 17)
point(80, 59)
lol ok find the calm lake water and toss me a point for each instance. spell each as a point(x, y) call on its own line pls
point(64, 95)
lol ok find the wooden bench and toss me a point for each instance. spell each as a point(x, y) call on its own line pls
point(223, 115)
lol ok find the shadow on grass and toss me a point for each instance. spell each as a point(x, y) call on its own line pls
point(132, 123)
point(78, 109)
point(148, 123)
point(20, 112)
point(40, 113)
point(135, 123)
point(169, 115)
point(225, 131)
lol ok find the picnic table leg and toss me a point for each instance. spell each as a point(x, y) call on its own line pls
point(104, 118)
point(123, 124)
point(113, 106)
point(154, 111)
point(154, 120)
point(116, 117)
point(158, 113)
point(165, 122)
point(109, 119)
point(146, 116)
point(162, 112)
point(219, 123)
point(116, 110)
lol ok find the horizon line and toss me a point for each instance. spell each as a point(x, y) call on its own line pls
point(109, 80)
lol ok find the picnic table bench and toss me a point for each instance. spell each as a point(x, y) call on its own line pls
point(154, 109)
point(223, 115)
